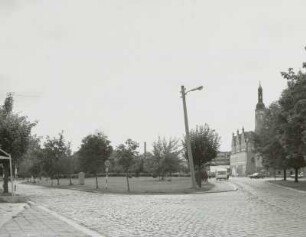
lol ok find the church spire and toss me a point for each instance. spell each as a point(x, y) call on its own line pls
point(260, 105)
point(259, 111)
point(259, 93)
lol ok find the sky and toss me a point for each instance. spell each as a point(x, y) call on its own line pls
point(117, 66)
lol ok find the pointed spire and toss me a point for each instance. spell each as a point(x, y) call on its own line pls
point(260, 105)
point(259, 93)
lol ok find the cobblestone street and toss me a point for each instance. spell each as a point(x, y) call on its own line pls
point(258, 208)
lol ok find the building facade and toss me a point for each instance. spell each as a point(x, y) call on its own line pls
point(222, 160)
point(243, 160)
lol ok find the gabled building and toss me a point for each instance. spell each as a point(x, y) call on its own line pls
point(243, 160)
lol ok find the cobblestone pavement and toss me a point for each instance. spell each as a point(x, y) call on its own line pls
point(256, 209)
point(35, 222)
point(9, 210)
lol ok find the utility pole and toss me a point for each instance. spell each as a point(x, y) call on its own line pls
point(189, 152)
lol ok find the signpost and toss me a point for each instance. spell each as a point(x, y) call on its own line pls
point(107, 164)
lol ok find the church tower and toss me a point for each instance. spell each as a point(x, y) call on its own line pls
point(259, 111)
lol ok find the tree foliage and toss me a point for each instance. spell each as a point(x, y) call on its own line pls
point(293, 124)
point(15, 133)
point(205, 143)
point(126, 154)
point(267, 140)
point(282, 141)
point(15, 130)
point(55, 151)
point(165, 159)
point(94, 151)
point(32, 160)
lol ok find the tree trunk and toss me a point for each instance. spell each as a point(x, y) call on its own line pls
point(296, 175)
point(127, 181)
point(200, 175)
point(285, 174)
point(70, 181)
point(274, 174)
point(198, 178)
point(57, 179)
point(97, 186)
point(6, 177)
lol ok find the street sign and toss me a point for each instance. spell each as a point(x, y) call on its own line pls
point(107, 163)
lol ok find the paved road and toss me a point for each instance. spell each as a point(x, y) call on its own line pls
point(256, 209)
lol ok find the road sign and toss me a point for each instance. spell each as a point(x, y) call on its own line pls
point(107, 163)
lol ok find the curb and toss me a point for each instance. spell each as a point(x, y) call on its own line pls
point(72, 223)
point(13, 199)
point(288, 188)
point(234, 188)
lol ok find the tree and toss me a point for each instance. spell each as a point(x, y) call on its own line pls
point(94, 151)
point(67, 167)
point(54, 152)
point(15, 133)
point(267, 140)
point(126, 154)
point(293, 124)
point(165, 159)
point(205, 143)
point(32, 161)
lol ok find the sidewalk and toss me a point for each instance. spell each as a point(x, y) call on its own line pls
point(9, 210)
point(34, 220)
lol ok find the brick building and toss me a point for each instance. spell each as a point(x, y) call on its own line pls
point(243, 160)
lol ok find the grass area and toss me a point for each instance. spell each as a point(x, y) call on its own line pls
point(138, 185)
point(301, 185)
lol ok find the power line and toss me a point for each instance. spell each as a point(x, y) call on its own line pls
point(19, 95)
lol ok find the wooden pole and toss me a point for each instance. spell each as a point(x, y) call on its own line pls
point(11, 172)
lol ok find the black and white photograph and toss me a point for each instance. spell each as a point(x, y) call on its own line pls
point(153, 118)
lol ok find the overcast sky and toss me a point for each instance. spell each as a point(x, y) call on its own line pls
point(118, 65)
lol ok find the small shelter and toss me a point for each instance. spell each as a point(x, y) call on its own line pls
point(6, 156)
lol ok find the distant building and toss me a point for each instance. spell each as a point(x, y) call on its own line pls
point(222, 160)
point(243, 160)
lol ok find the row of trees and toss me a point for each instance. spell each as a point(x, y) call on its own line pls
point(282, 140)
point(52, 157)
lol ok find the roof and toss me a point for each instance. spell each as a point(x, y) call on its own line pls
point(249, 136)
point(260, 106)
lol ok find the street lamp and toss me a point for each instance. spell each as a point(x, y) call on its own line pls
point(189, 152)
